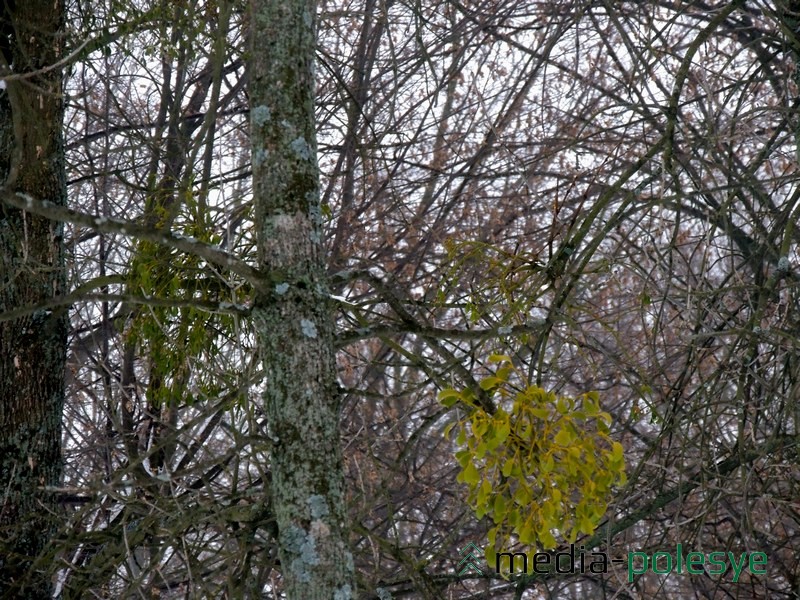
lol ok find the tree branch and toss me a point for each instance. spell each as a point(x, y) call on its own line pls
point(190, 245)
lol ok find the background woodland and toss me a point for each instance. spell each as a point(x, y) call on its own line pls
point(604, 192)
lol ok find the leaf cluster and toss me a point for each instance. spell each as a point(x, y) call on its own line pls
point(545, 468)
point(491, 273)
point(176, 336)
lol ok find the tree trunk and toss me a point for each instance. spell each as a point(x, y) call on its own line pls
point(295, 321)
point(32, 347)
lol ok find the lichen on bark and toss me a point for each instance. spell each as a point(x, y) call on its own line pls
point(295, 322)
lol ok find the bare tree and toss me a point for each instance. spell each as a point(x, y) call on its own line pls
point(603, 191)
point(293, 314)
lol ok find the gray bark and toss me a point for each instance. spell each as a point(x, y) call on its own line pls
point(294, 316)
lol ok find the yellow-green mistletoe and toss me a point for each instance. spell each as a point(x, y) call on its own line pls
point(547, 468)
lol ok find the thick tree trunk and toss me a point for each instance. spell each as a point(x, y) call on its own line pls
point(295, 321)
point(33, 347)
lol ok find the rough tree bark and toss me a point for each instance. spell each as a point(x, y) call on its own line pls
point(32, 348)
point(295, 321)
